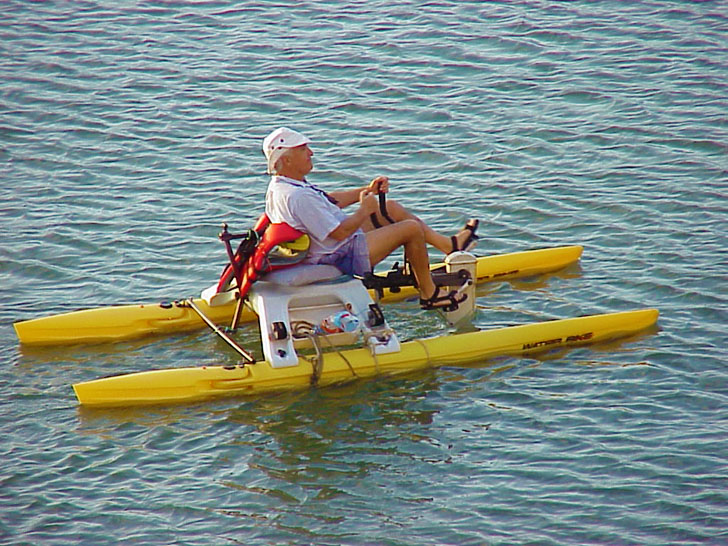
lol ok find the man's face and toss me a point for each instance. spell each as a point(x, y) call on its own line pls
point(299, 159)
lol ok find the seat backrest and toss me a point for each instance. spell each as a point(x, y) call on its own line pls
point(278, 246)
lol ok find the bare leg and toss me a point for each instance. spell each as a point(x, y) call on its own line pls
point(408, 233)
point(398, 213)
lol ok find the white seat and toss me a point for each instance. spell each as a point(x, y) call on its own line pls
point(297, 275)
point(300, 275)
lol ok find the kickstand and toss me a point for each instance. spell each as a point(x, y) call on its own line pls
point(250, 359)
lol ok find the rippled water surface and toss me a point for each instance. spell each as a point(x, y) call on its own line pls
point(131, 130)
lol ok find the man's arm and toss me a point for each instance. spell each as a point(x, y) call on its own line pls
point(368, 204)
point(347, 197)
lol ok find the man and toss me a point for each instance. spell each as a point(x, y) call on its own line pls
point(356, 242)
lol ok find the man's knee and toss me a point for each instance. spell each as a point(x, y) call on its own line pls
point(397, 211)
point(412, 229)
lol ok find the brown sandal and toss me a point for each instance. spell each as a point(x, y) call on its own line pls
point(470, 241)
point(450, 300)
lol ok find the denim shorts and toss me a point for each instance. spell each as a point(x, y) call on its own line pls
point(352, 258)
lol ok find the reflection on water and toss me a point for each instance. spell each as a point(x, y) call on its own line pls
point(130, 133)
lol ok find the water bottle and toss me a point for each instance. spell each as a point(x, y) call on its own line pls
point(343, 321)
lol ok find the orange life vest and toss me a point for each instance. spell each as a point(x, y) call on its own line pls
point(246, 269)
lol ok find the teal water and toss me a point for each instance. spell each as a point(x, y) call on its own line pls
point(131, 130)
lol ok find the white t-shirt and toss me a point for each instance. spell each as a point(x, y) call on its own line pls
point(306, 209)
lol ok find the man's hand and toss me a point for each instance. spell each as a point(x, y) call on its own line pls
point(379, 185)
point(368, 203)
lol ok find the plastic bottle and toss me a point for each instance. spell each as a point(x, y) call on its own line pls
point(342, 321)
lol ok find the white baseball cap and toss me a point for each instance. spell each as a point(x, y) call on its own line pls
point(276, 144)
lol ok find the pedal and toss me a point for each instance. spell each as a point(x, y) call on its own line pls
point(461, 272)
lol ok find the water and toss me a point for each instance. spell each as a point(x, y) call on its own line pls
point(130, 131)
